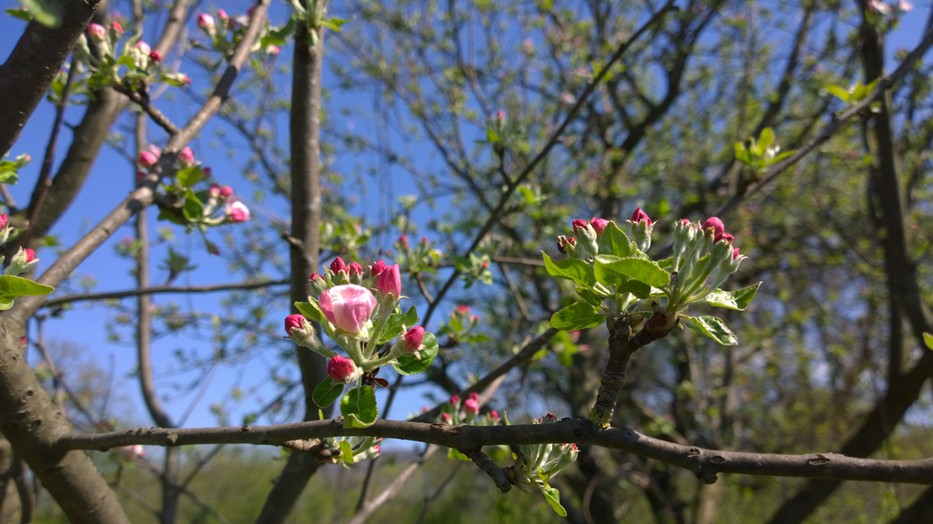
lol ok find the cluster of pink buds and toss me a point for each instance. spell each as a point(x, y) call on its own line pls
point(704, 257)
point(467, 412)
point(584, 242)
point(225, 32)
point(5, 228)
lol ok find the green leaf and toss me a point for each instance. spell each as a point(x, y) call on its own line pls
point(358, 407)
point(193, 208)
point(411, 365)
point(712, 327)
point(928, 340)
point(397, 324)
point(639, 289)
point(346, 452)
point(614, 241)
point(571, 269)
point(20, 13)
point(640, 269)
point(456, 455)
point(578, 315)
point(326, 393)
point(765, 140)
point(552, 496)
point(839, 92)
point(44, 12)
point(311, 310)
point(334, 24)
point(5, 303)
point(590, 296)
point(12, 287)
point(189, 176)
point(737, 300)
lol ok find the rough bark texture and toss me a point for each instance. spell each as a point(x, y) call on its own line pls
point(32, 423)
point(305, 123)
point(34, 62)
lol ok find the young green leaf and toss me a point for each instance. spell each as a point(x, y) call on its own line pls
point(578, 315)
point(737, 300)
point(326, 393)
point(397, 324)
point(712, 327)
point(928, 340)
point(614, 241)
point(358, 407)
point(12, 287)
point(571, 269)
point(552, 496)
point(640, 269)
point(311, 310)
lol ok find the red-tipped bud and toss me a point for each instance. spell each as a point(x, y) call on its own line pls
point(237, 212)
point(389, 282)
point(725, 236)
point(378, 268)
point(186, 155)
point(640, 216)
point(735, 253)
point(413, 339)
point(206, 21)
point(155, 56)
point(471, 406)
point(354, 268)
point(295, 321)
point(455, 400)
point(403, 242)
point(338, 265)
point(341, 369)
point(226, 191)
point(494, 415)
point(96, 32)
point(30, 255)
point(716, 225)
point(599, 224)
point(116, 27)
point(579, 224)
point(148, 158)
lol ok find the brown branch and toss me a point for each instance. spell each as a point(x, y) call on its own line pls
point(158, 290)
point(34, 62)
point(706, 463)
point(157, 116)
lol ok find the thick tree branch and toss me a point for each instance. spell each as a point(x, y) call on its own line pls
point(706, 463)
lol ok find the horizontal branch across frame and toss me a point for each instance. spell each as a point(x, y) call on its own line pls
point(705, 463)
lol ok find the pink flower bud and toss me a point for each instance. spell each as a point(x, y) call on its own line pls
point(550, 417)
point(413, 339)
point(116, 27)
point(185, 79)
point(155, 56)
point(599, 224)
point(272, 50)
point(338, 265)
point(295, 321)
point(463, 309)
point(725, 236)
point(685, 221)
point(316, 278)
point(3, 220)
point(378, 268)
point(96, 32)
point(494, 415)
point(640, 216)
point(716, 225)
point(471, 406)
point(355, 269)
point(455, 400)
point(30, 255)
point(389, 282)
point(186, 156)
point(735, 253)
point(148, 158)
point(348, 307)
point(237, 212)
point(222, 15)
point(214, 191)
point(341, 369)
point(226, 191)
point(445, 417)
point(206, 21)
point(579, 224)
point(143, 48)
point(500, 116)
point(403, 242)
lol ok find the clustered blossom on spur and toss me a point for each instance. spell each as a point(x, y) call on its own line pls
point(705, 255)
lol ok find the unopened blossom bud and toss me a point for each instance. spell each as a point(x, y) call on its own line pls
point(226, 191)
point(148, 158)
point(389, 282)
point(318, 284)
point(22, 261)
point(550, 417)
point(403, 242)
point(471, 406)
point(338, 265)
point(184, 79)
point(716, 225)
point(728, 238)
point(155, 56)
point(578, 224)
point(143, 48)
point(186, 157)
point(599, 224)
point(222, 15)
point(348, 307)
point(640, 216)
point(566, 244)
point(493, 415)
point(356, 272)
point(206, 22)
point(445, 418)
point(116, 27)
point(735, 253)
point(455, 400)
point(342, 369)
point(96, 32)
point(3, 220)
point(214, 191)
point(586, 243)
point(237, 212)
point(30, 255)
point(413, 339)
point(300, 330)
point(272, 50)
point(378, 268)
